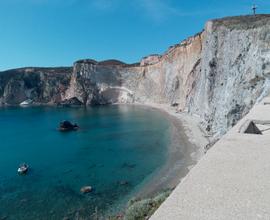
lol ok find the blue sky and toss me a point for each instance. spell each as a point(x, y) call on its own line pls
point(58, 32)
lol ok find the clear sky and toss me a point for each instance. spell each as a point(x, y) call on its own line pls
point(58, 32)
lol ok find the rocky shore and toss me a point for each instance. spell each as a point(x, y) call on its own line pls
point(187, 146)
point(212, 79)
point(216, 75)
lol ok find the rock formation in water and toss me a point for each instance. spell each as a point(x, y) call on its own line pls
point(218, 75)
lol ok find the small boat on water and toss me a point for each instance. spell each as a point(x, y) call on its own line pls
point(26, 102)
point(23, 168)
point(68, 126)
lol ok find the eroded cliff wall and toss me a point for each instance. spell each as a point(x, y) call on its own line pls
point(218, 75)
point(157, 79)
point(235, 70)
point(42, 85)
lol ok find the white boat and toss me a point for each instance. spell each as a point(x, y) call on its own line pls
point(23, 168)
point(26, 102)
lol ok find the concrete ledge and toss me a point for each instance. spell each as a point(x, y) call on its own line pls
point(232, 181)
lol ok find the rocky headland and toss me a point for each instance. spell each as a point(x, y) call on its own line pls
point(213, 78)
point(216, 75)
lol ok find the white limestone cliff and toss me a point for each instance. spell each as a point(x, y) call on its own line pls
point(217, 75)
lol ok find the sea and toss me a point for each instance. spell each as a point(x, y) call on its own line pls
point(116, 151)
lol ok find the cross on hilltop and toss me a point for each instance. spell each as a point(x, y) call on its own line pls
point(254, 8)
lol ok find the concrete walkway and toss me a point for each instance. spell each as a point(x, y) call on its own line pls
point(232, 181)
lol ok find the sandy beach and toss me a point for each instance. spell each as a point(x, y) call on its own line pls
point(185, 150)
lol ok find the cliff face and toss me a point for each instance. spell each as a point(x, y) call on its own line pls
point(157, 79)
point(42, 85)
point(235, 70)
point(217, 75)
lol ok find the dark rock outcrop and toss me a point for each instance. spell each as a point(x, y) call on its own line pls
point(68, 126)
point(42, 85)
point(72, 102)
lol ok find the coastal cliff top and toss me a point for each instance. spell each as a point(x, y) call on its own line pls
point(110, 62)
point(242, 22)
point(50, 70)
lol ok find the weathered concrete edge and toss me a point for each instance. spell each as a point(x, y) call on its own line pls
point(230, 182)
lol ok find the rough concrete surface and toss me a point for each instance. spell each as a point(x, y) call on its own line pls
point(232, 181)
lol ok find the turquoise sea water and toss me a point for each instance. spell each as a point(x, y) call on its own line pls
point(115, 144)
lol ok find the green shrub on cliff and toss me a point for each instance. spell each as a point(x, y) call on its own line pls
point(143, 209)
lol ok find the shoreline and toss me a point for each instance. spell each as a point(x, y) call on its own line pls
point(186, 148)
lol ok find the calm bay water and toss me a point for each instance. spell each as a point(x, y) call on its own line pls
point(115, 145)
